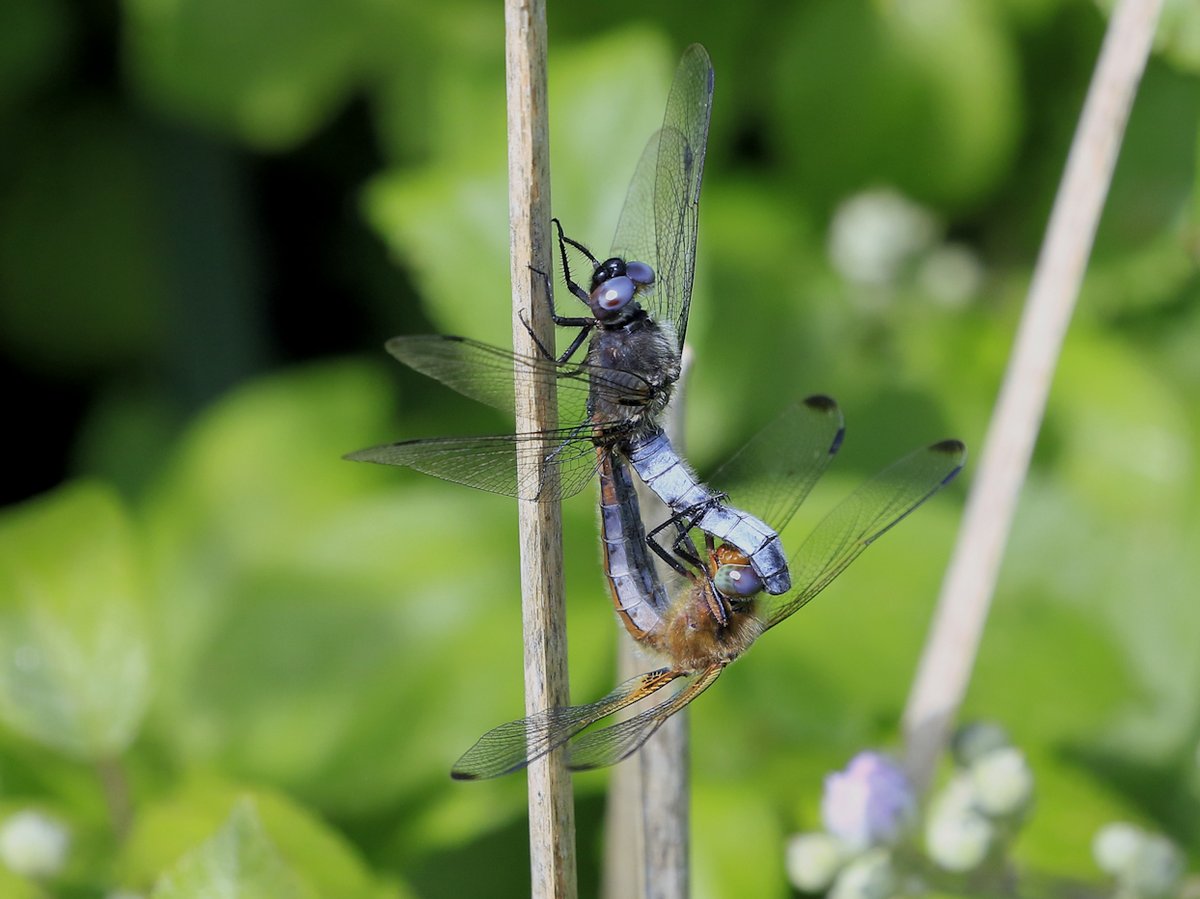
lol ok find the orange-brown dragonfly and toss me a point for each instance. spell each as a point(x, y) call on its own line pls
point(718, 611)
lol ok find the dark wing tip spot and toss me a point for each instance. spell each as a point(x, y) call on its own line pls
point(955, 449)
point(820, 402)
point(456, 774)
point(950, 448)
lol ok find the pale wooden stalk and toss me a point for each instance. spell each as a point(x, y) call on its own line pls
point(646, 826)
point(949, 654)
point(551, 813)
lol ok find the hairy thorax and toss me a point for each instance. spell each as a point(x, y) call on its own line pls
point(694, 640)
point(644, 364)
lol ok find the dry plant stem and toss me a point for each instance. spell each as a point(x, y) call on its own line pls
point(111, 773)
point(551, 813)
point(949, 654)
point(646, 853)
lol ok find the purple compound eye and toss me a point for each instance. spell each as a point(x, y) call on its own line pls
point(612, 295)
point(639, 272)
point(737, 580)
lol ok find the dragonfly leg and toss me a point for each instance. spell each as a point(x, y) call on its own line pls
point(584, 323)
point(670, 558)
point(557, 360)
point(718, 607)
point(563, 240)
point(681, 547)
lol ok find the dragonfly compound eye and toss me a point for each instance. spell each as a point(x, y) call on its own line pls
point(642, 274)
point(737, 580)
point(612, 296)
point(609, 268)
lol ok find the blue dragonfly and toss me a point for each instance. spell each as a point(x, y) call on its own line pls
point(714, 615)
point(610, 400)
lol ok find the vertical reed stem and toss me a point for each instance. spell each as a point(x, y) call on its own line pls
point(647, 842)
point(551, 814)
point(949, 654)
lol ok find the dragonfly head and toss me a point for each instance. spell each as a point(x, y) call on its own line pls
point(732, 575)
point(614, 284)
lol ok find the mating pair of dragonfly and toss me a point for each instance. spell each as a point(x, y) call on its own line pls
point(730, 578)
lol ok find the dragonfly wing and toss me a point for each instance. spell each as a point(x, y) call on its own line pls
point(861, 518)
point(774, 473)
point(535, 466)
point(485, 373)
point(635, 239)
point(512, 746)
point(609, 745)
point(666, 216)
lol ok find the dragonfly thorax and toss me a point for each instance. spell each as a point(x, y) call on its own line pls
point(636, 352)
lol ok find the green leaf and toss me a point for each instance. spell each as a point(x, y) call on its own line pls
point(73, 656)
point(267, 840)
point(290, 579)
point(921, 94)
point(270, 72)
point(457, 208)
point(239, 861)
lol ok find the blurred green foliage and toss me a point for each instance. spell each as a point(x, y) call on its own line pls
point(227, 656)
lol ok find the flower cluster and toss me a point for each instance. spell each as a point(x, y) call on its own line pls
point(1144, 865)
point(976, 814)
point(869, 848)
point(870, 815)
point(866, 810)
point(880, 240)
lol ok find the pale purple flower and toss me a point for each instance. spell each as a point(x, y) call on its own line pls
point(869, 803)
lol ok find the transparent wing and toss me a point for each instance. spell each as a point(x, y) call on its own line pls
point(635, 238)
point(552, 464)
point(535, 465)
point(862, 518)
point(774, 473)
point(607, 746)
point(512, 746)
point(485, 373)
point(664, 218)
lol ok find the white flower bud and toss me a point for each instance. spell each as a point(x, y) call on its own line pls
point(971, 741)
point(957, 836)
point(868, 804)
point(1115, 845)
point(875, 234)
point(813, 859)
point(33, 844)
point(951, 274)
point(870, 876)
point(1155, 869)
point(1003, 782)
